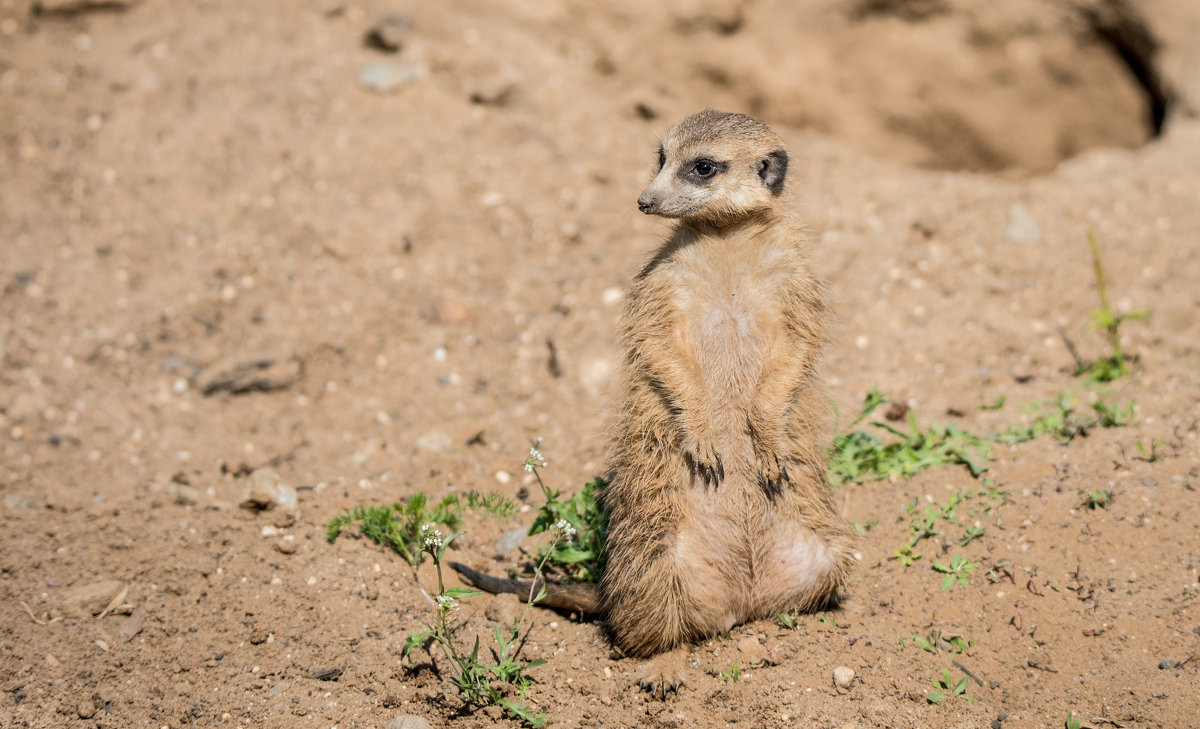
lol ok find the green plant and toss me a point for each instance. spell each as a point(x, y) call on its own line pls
point(1072, 721)
point(582, 559)
point(492, 504)
point(398, 526)
point(925, 524)
point(1151, 454)
point(935, 640)
point(947, 686)
point(1061, 420)
point(972, 533)
point(858, 455)
point(926, 644)
point(863, 527)
point(790, 619)
point(733, 673)
point(479, 683)
point(958, 572)
point(1116, 364)
point(1096, 498)
point(1112, 416)
point(994, 405)
point(906, 555)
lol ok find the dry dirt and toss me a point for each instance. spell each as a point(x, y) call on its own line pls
point(189, 186)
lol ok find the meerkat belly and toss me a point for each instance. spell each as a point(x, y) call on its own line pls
point(728, 341)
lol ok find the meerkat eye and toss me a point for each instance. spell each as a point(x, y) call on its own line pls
point(704, 168)
point(662, 157)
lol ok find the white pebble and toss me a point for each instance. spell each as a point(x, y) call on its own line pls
point(843, 677)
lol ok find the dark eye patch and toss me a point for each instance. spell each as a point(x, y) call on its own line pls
point(700, 171)
point(662, 157)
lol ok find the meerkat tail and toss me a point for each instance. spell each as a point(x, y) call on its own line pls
point(582, 598)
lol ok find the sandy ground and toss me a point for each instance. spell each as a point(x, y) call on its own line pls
point(189, 186)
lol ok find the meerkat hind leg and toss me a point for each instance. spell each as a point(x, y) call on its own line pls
point(663, 673)
point(801, 569)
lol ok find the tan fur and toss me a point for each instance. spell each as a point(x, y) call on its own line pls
point(719, 508)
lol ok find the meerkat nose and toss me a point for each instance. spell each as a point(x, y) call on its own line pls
point(646, 204)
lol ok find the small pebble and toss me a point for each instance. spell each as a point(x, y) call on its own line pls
point(384, 77)
point(495, 90)
point(408, 721)
point(843, 677)
point(508, 541)
point(86, 709)
point(1165, 664)
point(1020, 227)
point(388, 33)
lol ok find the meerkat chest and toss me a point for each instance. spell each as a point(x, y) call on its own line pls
point(730, 310)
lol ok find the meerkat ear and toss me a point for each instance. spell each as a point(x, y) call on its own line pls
point(773, 169)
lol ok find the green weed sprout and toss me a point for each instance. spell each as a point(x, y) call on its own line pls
point(479, 683)
point(958, 572)
point(1115, 365)
point(947, 687)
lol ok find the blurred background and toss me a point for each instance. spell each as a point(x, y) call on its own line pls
point(368, 249)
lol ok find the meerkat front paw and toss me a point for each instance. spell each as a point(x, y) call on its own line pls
point(705, 462)
point(772, 472)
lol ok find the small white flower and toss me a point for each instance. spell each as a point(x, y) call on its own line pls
point(535, 459)
point(565, 527)
point(433, 537)
point(447, 603)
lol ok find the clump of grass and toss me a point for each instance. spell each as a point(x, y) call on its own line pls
point(1060, 419)
point(859, 455)
point(477, 682)
point(398, 526)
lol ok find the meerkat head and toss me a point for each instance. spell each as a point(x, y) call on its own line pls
point(716, 167)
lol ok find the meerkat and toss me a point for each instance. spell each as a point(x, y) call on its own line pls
point(719, 510)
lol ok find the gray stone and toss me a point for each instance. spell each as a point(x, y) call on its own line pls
point(509, 541)
point(16, 501)
point(1020, 227)
point(266, 490)
point(384, 77)
point(408, 721)
point(435, 441)
point(389, 32)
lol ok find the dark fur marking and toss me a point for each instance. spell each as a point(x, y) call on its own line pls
point(773, 169)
